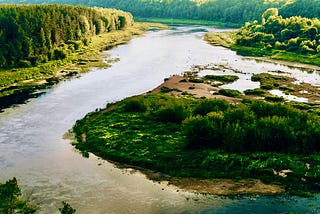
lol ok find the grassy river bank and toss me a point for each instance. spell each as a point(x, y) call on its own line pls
point(20, 84)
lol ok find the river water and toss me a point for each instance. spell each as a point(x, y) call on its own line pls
point(32, 147)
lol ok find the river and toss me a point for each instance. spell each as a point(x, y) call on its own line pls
point(32, 147)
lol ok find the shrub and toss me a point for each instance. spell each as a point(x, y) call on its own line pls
point(134, 106)
point(200, 133)
point(59, 54)
point(66, 209)
point(196, 80)
point(10, 201)
point(165, 89)
point(223, 78)
point(256, 91)
point(211, 105)
point(274, 99)
point(175, 114)
point(229, 92)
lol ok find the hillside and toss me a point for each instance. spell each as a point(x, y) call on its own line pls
point(225, 11)
point(34, 34)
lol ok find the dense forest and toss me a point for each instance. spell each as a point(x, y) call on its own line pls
point(226, 11)
point(294, 34)
point(39, 33)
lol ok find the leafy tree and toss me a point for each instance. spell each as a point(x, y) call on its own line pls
point(10, 201)
point(66, 209)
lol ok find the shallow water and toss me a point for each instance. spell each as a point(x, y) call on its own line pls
point(32, 147)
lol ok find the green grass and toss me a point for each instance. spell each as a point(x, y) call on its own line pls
point(222, 78)
point(156, 136)
point(230, 93)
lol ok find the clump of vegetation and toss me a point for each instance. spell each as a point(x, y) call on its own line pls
point(278, 36)
point(30, 43)
point(274, 99)
point(211, 105)
point(269, 81)
point(165, 89)
point(222, 78)
point(134, 105)
point(256, 91)
point(196, 80)
point(230, 93)
point(10, 199)
point(211, 138)
point(67, 209)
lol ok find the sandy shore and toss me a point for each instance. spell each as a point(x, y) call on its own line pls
point(196, 89)
point(208, 186)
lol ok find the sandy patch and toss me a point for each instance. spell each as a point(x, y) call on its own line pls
point(226, 186)
point(196, 89)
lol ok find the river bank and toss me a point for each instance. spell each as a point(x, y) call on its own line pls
point(227, 39)
point(18, 85)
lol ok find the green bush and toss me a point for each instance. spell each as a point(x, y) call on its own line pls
point(66, 209)
point(211, 105)
point(222, 78)
point(196, 80)
point(230, 93)
point(10, 201)
point(175, 114)
point(200, 133)
point(165, 89)
point(59, 54)
point(256, 91)
point(134, 105)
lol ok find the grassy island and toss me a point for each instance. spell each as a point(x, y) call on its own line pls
point(208, 139)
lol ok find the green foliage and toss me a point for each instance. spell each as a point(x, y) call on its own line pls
point(196, 80)
point(268, 81)
point(165, 89)
point(295, 34)
point(232, 11)
point(134, 105)
point(256, 91)
point(175, 114)
point(66, 209)
point(222, 78)
point(10, 201)
point(211, 105)
point(26, 40)
point(249, 139)
point(230, 92)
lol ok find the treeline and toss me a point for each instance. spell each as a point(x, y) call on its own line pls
point(39, 33)
point(226, 11)
point(294, 34)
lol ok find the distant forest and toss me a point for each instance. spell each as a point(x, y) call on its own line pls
point(31, 34)
point(226, 11)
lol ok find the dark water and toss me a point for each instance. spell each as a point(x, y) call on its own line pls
point(32, 147)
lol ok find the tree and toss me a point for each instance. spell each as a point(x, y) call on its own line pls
point(269, 13)
point(66, 209)
point(10, 201)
